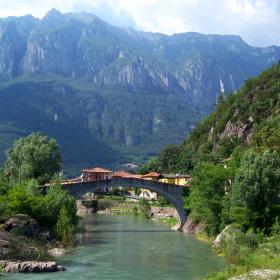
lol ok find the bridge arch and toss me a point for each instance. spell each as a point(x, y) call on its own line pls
point(172, 192)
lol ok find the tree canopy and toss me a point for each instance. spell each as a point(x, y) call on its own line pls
point(257, 186)
point(206, 197)
point(34, 156)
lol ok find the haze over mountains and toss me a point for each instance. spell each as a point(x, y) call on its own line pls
point(111, 95)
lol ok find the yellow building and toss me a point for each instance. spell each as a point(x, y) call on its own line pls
point(177, 179)
point(168, 179)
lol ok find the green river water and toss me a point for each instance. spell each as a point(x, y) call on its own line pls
point(126, 248)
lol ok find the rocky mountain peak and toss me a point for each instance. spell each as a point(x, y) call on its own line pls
point(53, 14)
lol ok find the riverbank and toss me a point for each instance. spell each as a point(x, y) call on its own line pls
point(250, 256)
point(167, 215)
point(25, 246)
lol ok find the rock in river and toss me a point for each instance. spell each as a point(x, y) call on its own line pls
point(29, 266)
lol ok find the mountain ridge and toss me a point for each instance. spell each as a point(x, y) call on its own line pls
point(81, 45)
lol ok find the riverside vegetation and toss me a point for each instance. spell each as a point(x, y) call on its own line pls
point(234, 158)
point(30, 219)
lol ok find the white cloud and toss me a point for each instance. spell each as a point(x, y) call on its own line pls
point(257, 21)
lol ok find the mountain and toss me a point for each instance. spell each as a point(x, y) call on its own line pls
point(248, 119)
point(81, 45)
point(113, 95)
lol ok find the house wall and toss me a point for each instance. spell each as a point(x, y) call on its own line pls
point(147, 194)
point(181, 181)
point(167, 180)
point(151, 179)
point(91, 176)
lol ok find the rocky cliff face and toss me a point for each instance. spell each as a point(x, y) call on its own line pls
point(196, 66)
point(238, 130)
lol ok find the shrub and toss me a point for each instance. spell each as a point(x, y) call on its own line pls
point(21, 201)
point(275, 229)
point(144, 208)
point(65, 229)
point(135, 211)
point(54, 201)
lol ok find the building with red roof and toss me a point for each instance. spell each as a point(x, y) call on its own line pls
point(153, 176)
point(96, 173)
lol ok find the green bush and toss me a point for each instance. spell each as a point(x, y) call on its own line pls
point(275, 229)
point(21, 201)
point(144, 209)
point(65, 229)
point(135, 211)
point(54, 201)
point(25, 199)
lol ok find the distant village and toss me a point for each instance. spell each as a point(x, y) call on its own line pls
point(99, 173)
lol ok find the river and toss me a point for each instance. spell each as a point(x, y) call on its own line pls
point(126, 248)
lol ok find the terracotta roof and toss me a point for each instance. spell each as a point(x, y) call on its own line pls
point(152, 174)
point(121, 174)
point(125, 174)
point(135, 176)
point(173, 176)
point(97, 170)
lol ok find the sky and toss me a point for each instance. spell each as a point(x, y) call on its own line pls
point(256, 21)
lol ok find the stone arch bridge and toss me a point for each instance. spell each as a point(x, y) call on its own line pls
point(174, 193)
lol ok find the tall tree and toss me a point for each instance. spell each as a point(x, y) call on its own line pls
point(208, 187)
point(257, 186)
point(34, 156)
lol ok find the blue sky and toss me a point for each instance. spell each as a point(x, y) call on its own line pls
point(256, 21)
